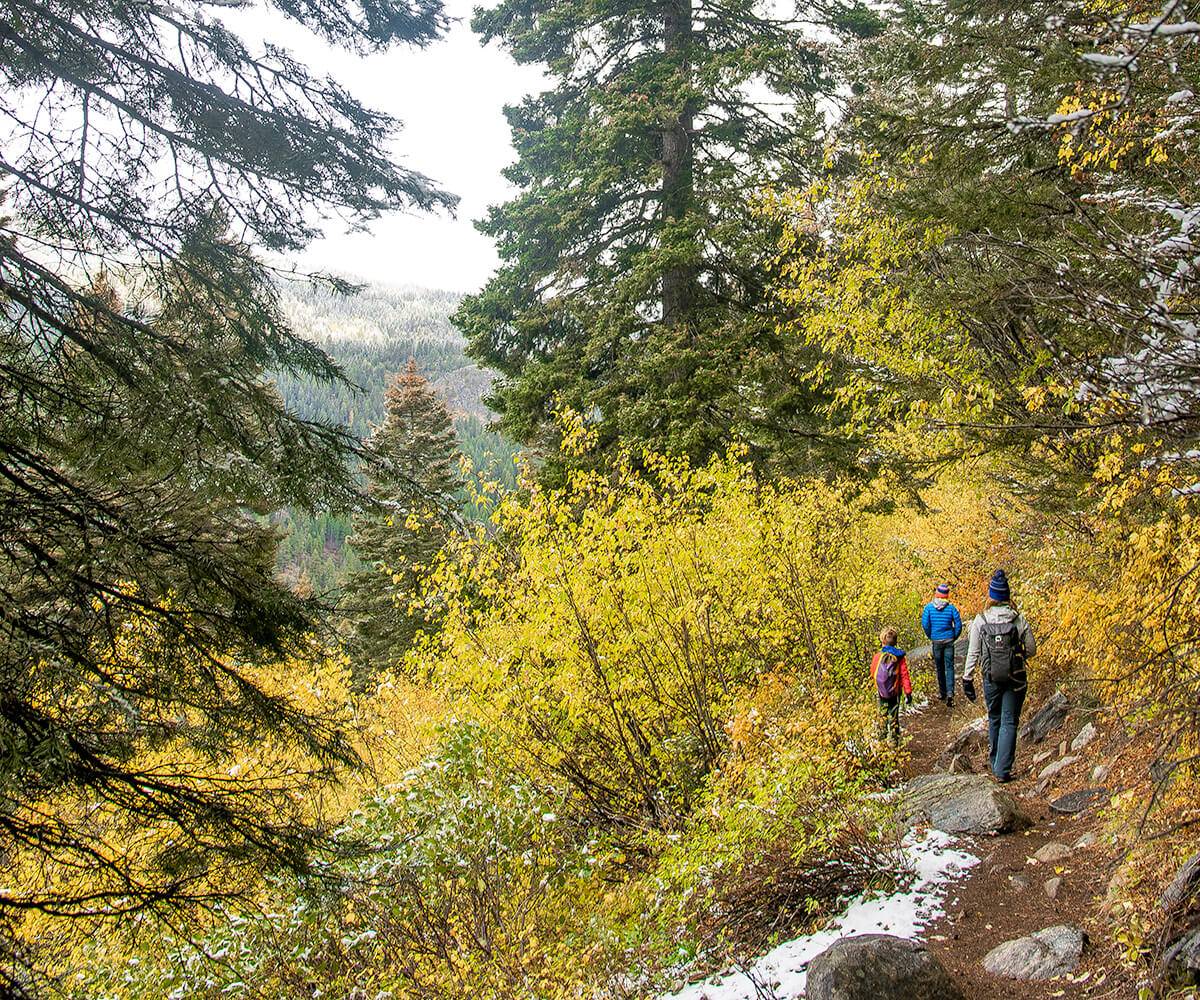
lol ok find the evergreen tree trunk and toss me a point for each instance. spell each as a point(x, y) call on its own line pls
point(679, 280)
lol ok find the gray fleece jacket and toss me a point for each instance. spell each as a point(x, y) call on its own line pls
point(1000, 613)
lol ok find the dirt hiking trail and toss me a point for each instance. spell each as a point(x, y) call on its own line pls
point(1006, 896)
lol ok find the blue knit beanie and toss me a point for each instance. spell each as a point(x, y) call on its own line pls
point(943, 590)
point(998, 588)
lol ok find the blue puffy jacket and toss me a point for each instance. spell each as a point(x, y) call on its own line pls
point(941, 624)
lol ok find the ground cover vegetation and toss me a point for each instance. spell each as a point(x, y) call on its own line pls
point(634, 739)
point(660, 751)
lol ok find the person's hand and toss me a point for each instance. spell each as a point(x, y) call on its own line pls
point(969, 690)
point(908, 699)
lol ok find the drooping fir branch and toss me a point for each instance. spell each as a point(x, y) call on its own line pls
point(149, 154)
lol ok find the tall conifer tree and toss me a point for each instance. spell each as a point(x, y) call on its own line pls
point(631, 287)
point(413, 489)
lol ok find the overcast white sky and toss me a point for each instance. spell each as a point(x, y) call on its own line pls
point(450, 97)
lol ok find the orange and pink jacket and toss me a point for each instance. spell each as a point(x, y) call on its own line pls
point(905, 681)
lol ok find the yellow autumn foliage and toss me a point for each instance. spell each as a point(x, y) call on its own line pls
point(271, 780)
point(612, 624)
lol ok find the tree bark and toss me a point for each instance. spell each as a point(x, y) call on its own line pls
point(678, 281)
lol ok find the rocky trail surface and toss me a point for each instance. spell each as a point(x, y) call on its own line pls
point(1027, 910)
point(1009, 885)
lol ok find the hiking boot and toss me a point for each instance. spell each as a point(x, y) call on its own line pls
point(950, 701)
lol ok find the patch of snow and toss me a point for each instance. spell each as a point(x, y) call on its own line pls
point(1163, 29)
point(1122, 60)
point(1056, 119)
point(936, 864)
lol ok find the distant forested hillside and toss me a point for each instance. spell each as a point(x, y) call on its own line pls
point(371, 334)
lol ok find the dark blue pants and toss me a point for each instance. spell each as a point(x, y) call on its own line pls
point(1004, 703)
point(943, 666)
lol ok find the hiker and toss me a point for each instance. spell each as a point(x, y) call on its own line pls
point(1000, 642)
point(940, 621)
point(890, 671)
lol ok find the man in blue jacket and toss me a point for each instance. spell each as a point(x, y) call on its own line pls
point(941, 622)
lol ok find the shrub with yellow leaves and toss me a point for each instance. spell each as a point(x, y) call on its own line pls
point(611, 625)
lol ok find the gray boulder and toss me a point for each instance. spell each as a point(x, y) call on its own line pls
point(971, 738)
point(1185, 883)
point(1047, 719)
point(1046, 954)
point(1183, 959)
point(960, 803)
point(879, 967)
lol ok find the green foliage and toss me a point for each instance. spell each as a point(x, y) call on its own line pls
point(682, 775)
point(370, 334)
point(610, 628)
point(660, 654)
point(148, 154)
point(1002, 260)
point(412, 490)
point(1011, 260)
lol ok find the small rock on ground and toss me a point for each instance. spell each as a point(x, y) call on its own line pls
point(1051, 887)
point(1053, 852)
point(879, 967)
point(1099, 774)
point(1047, 718)
point(1087, 840)
point(1048, 953)
point(1084, 737)
point(1050, 770)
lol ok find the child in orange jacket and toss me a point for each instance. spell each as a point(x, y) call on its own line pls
point(889, 670)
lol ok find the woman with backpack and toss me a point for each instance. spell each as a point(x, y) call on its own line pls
point(1000, 644)
point(889, 669)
